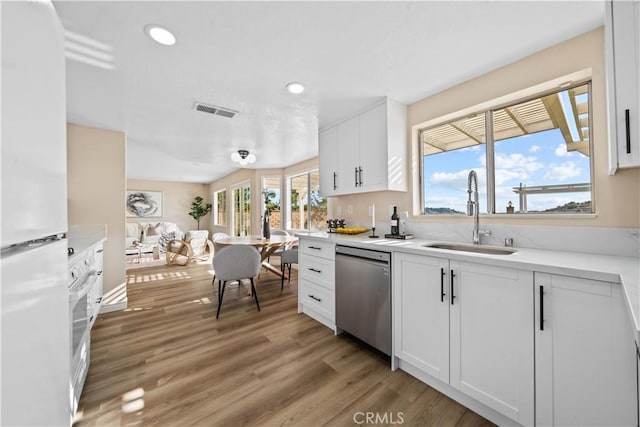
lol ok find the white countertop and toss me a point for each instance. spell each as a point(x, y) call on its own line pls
point(615, 269)
point(82, 237)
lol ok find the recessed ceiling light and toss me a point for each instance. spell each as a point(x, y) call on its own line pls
point(295, 87)
point(160, 35)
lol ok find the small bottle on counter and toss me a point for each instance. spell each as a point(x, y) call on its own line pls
point(395, 230)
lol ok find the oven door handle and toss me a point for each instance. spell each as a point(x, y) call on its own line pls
point(80, 290)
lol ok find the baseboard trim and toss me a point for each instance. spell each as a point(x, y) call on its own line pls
point(118, 306)
point(115, 300)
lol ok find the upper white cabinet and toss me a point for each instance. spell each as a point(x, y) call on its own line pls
point(585, 354)
point(622, 48)
point(366, 152)
point(469, 326)
point(328, 147)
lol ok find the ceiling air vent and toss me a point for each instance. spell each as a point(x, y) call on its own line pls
point(212, 109)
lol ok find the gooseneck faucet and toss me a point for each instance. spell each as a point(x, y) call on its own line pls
point(473, 207)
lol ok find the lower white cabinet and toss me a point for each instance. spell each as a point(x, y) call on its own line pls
point(316, 281)
point(585, 354)
point(96, 292)
point(470, 326)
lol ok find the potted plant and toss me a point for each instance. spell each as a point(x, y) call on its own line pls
point(198, 209)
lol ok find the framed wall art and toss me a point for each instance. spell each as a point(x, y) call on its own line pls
point(144, 204)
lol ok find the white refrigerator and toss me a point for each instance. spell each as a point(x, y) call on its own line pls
point(34, 299)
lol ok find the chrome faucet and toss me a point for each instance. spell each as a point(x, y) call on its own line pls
point(473, 208)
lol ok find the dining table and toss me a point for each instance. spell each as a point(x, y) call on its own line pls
point(266, 247)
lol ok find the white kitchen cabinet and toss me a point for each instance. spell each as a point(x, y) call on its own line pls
point(349, 157)
point(98, 288)
point(585, 354)
point(468, 325)
point(316, 281)
point(421, 313)
point(328, 148)
point(622, 47)
point(369, 154)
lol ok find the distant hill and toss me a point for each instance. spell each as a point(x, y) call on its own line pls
point(442, 211)
point(572, 207)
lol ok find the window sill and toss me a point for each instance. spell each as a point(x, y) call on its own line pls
point(512, 216)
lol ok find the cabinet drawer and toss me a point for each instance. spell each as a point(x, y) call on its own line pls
point(318, 249)
point(317, 298)
point(317, 270)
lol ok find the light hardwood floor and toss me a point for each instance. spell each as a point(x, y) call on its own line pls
point(167, 361)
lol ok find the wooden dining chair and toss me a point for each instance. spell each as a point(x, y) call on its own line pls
point(236, 263)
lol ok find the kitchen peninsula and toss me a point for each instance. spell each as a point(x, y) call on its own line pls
point(474, 325)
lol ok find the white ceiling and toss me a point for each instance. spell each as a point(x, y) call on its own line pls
point(240, 55)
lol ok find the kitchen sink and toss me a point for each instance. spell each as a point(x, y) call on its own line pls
point(489, 250)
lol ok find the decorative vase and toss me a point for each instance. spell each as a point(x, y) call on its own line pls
point(265, 227)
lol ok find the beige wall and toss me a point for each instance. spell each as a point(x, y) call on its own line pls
point(176, 202)
point(617, 198)
point(96, 177)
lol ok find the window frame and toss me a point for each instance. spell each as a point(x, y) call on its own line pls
point(216, 219)
point(263, 178)
point(487, 109)
point(288, 188)
point(242, 227)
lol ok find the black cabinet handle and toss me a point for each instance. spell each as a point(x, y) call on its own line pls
point(627, 126)
point(442, 294)
point(335, 186)
point(315, 298)
point(542, 308)
point(356, 176)
point(452, 296)
point(99, 272)
point(99, 300)
point(315, 248)
point(99, 251)
point(360, 174)
point(314, 270)
point(91, 318)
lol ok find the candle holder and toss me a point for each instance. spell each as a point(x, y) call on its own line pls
point(373, 233)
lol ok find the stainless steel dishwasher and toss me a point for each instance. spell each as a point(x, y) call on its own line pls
point(363, 295)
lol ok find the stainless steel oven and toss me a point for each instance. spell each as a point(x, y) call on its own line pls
point(363, 295)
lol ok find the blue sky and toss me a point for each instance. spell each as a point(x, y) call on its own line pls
point(535, 159)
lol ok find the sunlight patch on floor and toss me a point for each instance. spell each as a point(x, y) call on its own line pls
point(204, 300)
point(132, 401)
point(154, 277)
point(138, 308)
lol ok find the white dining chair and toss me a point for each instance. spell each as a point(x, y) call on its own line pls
point(288, 257)
point(278, 232)
point(217, 236)
point(216, 248)
point(236, 263)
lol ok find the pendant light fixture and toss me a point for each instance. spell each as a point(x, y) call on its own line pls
point(243, 157)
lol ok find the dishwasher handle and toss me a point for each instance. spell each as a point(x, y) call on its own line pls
point(368, 254)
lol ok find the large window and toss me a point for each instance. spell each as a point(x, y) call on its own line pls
point(533, 156)
point(308, 209)
point(271, 201)
point(219, 207)
point(242, 210)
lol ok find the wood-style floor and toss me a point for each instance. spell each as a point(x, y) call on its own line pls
point(167, 361)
